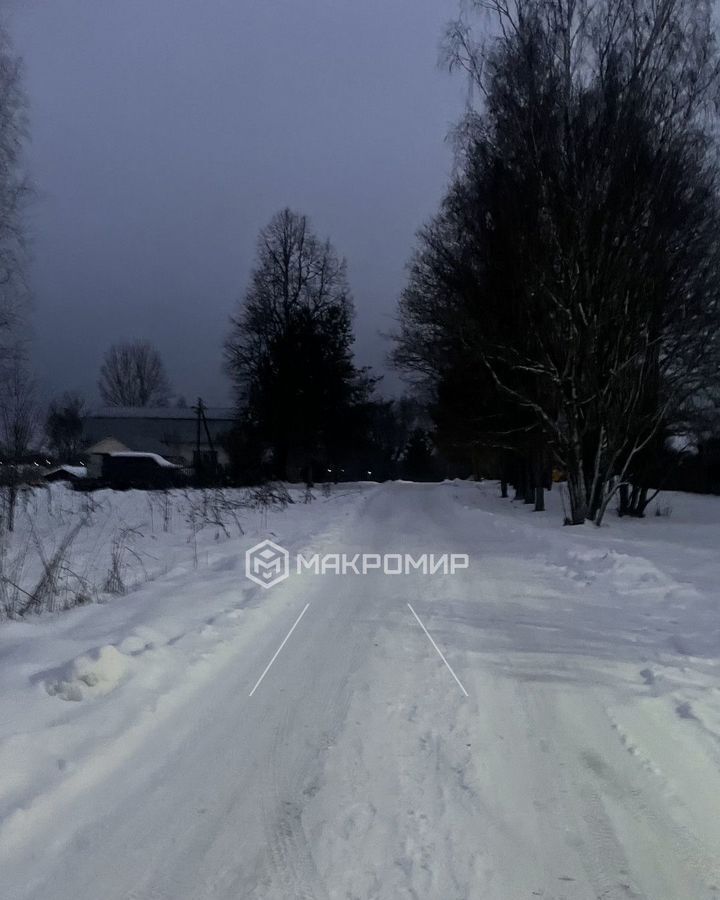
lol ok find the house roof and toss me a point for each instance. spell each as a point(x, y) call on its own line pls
point(73, 471)
point(222, 413)
point(136, 454)
point(107, 445)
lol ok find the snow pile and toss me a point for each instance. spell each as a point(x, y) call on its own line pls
point(626, 573)
point(95, 673)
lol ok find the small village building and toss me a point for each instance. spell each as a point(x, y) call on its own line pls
point(95, 454)
point(174, 433)
point(131, 468)
point(66, 473)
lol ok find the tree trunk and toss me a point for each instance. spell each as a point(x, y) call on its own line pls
point(281, 461)
point(624, 507)
point(529, 483)
point(577, 493)
point(642, 503)
point(539, 480)
point(11, 493)
point(596, 501)
point(576, 483)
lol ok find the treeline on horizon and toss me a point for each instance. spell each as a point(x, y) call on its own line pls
point(560, 318)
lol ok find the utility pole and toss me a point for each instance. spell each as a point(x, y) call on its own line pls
point(198, 457)
point(202, 424)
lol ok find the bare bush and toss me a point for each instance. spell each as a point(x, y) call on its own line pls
point(162, 502)
point(12, 596)
point(266, 496)
point(120, 549)
point(273, 493)
point(47, 592)
point(213, 507)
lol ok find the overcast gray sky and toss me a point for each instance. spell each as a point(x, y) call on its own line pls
point(165, 133)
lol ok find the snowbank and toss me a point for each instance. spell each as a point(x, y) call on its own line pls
point(95, 673)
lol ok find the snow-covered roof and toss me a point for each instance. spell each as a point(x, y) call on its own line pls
point(75, 471)
point(107, 445)
point(136, 454)
point(224, 413)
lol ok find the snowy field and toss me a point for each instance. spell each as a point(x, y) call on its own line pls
point(584, 762)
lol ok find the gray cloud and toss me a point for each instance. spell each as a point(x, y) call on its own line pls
point(166, 133)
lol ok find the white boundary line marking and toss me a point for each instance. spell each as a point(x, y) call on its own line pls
point(277, 652)
point(440, 653)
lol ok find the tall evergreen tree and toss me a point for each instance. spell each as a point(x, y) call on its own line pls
point(289, 352)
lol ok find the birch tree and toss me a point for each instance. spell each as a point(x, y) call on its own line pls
point(572, 271)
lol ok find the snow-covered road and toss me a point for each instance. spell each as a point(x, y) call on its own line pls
point(584, 763)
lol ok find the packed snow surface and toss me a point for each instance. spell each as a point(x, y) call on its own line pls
point(583, 764)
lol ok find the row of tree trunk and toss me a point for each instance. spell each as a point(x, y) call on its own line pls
point(529, 476)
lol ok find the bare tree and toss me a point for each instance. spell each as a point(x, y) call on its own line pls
point(289, 351)
point(571, 276)
point(18, 424)
point(64, 425)
point(14, 188)
point(133, 374)
point(17, 391)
